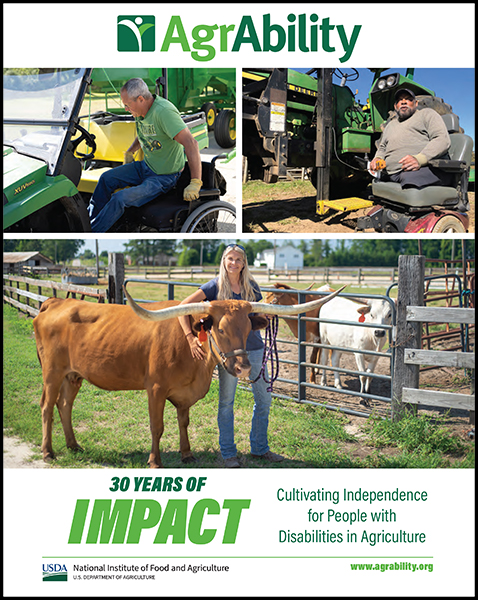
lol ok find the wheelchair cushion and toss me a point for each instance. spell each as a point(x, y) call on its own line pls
point(460, 151)
point(413, 197)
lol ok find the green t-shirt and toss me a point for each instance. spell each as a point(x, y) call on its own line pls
point(156, 132)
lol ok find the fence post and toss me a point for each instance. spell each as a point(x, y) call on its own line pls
point(411, 274)
point(115, 277)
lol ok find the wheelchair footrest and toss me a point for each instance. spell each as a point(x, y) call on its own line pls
point(344, 204)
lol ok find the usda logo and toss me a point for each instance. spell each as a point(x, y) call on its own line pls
point(54, 572)
point(136, 34)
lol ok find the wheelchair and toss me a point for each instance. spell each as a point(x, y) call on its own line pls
point(169, 213)
point(433, 209)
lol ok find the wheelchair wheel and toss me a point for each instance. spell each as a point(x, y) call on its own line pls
point(212, 217)
point(449, 224)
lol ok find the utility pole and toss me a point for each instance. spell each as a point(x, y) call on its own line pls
point(97, 261)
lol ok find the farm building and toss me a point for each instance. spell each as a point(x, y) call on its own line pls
point(285, 257)
point(13, 262)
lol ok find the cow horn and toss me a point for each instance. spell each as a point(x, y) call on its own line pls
point(295, 309)
point(182, 310)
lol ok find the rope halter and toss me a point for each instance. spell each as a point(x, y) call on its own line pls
point(270, 352)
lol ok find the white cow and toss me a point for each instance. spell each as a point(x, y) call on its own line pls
point(351, 336)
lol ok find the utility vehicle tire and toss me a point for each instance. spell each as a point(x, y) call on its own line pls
point(65, 215)
point(211, 114)
point(225, 128)
point(214, 217)
point(449, 224)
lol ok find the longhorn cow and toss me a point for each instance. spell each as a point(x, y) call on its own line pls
point(116, 347)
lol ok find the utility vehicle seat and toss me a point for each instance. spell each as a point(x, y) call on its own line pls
point(456, 197)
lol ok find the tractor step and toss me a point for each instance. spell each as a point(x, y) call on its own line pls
point(342, 205)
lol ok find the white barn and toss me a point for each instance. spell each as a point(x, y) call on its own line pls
point(285, 257)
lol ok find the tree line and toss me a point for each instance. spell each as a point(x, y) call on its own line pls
point(317, 253)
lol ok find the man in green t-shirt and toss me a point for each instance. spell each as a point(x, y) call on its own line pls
point(164, 138)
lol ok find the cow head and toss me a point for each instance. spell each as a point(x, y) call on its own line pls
point(228, 324)
point(282, 298)
point(376, 311)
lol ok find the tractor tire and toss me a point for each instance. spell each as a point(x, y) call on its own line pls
point(210, 110)
point(65, 215)
point(449, 224)
point(225, 128)
point(441, 107)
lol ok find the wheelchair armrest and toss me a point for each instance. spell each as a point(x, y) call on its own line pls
point(209, 192)
point(452, 166)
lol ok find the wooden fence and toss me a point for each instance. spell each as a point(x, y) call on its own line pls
point(460, 360)
point(409, 355)
point(25, 296)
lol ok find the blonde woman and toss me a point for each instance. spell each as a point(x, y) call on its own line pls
point(236, 283)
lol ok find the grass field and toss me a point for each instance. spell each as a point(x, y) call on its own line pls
point(113, 427)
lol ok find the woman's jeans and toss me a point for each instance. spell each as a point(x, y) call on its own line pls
point(107, 205)
point(260, 415)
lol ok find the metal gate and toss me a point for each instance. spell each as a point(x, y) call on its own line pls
point(301, 383)
point(300, 388)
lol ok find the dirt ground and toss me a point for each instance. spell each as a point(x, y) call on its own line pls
point(284, 214)
point(18, 455)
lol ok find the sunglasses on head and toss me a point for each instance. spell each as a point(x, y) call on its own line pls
point(236, 246)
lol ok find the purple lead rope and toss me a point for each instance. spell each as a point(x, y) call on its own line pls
point(270, 352)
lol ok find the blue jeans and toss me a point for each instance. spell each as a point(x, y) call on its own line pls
point(260, 415)
point(106, 206)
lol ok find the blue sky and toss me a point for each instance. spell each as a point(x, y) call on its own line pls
point(455, 86)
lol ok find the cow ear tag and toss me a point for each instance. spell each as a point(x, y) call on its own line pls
point(202, 335)
point(362, 319)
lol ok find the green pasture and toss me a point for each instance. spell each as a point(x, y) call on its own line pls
point(113, 427)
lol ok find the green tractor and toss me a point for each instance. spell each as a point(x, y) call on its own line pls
point(306, 120)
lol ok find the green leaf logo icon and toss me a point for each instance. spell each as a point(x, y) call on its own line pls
point(136, 33)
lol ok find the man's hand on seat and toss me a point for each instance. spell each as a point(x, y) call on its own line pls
point(409, 163)
point(192, 191)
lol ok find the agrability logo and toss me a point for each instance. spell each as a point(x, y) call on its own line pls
point(136, 33)
point(301, 33)
point(54, 572)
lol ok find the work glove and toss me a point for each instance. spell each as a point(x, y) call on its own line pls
point(192, 191)
point(128, 157)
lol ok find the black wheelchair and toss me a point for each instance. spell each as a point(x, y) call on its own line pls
point(170, 213)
